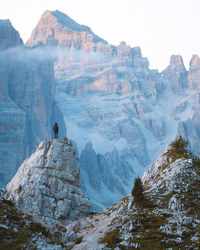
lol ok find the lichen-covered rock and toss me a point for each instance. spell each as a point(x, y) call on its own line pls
point(48, 184)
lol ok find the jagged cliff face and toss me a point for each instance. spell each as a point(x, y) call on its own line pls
point(113, 101)
point(28, 108)
point(48, 184)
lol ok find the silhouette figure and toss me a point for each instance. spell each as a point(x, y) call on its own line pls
point(55, 130)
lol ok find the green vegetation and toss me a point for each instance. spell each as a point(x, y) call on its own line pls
point(111, 238)
point(19, 230)
point(138, 191)
point(178, 149)
point(78, 240)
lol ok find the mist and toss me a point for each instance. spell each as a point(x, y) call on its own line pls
point(73, 58)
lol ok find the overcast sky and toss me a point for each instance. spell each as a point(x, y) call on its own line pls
point(160, 27)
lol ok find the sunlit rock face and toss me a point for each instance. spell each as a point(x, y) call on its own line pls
point(48, 184)
point(28, 108)
point(114, 102)
point(56, 28)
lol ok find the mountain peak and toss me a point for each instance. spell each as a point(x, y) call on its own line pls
point(195, 61)
point(57, 16)
point(175, 171)
point(176, 61)
point(55, 27)
point(9, 36)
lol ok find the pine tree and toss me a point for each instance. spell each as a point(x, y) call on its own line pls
point(178, 149)
point(138, 190)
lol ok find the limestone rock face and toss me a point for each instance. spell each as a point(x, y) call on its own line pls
point(48, 184)
point(12, 118)
point(177, 74)
point(27, 105)
point(56, 28)
point(9, 36)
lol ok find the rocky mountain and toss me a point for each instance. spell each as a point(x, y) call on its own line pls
point(47, 184)
point(119, 111)
point(167, 216)
point(27, 105)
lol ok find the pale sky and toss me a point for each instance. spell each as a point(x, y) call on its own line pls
point(160, 27)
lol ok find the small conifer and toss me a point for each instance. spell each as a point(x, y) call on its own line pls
point(138, 190)
point(178, 149)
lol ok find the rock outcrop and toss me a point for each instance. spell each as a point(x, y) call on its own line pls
point(48, 184)
point(27, 104)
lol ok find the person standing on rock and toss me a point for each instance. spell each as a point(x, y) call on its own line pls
point(55, 130)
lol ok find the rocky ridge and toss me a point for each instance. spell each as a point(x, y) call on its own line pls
point(47, 184)
point(168, 218)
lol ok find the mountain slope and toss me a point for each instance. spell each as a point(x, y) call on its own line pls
point(167, 218)
point(20, 231)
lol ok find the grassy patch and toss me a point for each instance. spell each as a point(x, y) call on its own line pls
point(78, 240)
point(20, 229)
point(111, 238)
